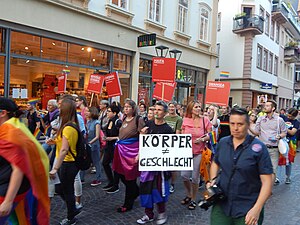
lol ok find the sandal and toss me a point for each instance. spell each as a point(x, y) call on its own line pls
point(192, 205)
point(186, 200)
point(123, 209)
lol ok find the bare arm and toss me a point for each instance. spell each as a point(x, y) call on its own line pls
point(292, 132)
point(13, 188)
point(213, 173)
point(265, 192)
point(214, 121)
point(63, 152)
point(97, 134)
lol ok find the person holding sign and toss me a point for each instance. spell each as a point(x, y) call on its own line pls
point(125, 163)
point(154, 186)
point(198, 127)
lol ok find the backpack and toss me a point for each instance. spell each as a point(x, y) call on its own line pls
point(83, 158)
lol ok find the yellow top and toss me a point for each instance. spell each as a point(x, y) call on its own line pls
point(71, 135)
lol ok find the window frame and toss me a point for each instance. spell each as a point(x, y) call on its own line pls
point(272, 31)
point(267, 24)
point(120, 4)
point(259, 57)
point(154, 16)
point(277, 33)
point(219, 19)
point(276, 65)
point(218, 53)
point(182, 19)
point(207, 21)
point(270, 62)
point(265, 60)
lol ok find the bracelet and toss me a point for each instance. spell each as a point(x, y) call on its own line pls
point(55, 168)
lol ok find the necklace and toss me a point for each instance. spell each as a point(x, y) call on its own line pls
point(128, 120)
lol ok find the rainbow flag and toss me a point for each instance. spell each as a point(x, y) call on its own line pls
point(224, 74)
point(37, 133)
point(213, 137)
point(33, 101)
point(47, 128)
point(28, 155)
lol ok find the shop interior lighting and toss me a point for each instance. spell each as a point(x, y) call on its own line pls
point(42, 50)
point(53, 43)
point(26, 48)
point(89, 49)
point(163, 50)
point(175, 53)
point(27, 61)
point(94, 60)
point(82, 49)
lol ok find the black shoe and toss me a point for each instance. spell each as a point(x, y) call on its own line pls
point(68, 222)
point(107, 187)
point(113, 190)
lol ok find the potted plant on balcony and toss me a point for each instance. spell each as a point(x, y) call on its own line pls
point(240, 16)
point(292, 45)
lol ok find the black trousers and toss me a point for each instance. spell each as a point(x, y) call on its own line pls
point(65, 189)
point(131, 192)
point(108, 157)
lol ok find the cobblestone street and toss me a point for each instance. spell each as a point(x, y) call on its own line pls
point(100, 208)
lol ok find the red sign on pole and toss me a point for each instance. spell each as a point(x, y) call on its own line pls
point(163, 70)
point(164, 91)
point(48, 90)
point(95, 83)
point(62, 82)
point(217, 93)
point(113, 86)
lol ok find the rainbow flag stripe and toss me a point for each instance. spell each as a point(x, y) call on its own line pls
point(28, 155)
point(224, 123)
point(213, 137)
point(224, 74)
point(37, 133)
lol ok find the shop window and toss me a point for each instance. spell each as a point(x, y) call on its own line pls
point(25, 44)
point(2, 75)
point(145, 66)
point(100, 58)
point(54, 49)
point(125, 85)
point(121, 62)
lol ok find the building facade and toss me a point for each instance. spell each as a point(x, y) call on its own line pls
point(39, 39)
point(259, 51)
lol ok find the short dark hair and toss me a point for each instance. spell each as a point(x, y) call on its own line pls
point(94, 113)
point(163, 104)
point(274, 104)
point(241, 112)
point(293, 112)
point(114, 108)
point(83, 99)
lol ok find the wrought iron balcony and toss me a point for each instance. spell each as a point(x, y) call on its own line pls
point(291, 54)
point(246, 23)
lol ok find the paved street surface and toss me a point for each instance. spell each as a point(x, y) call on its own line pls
point(100, 208)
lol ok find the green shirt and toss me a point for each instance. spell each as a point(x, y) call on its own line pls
point(175, 122)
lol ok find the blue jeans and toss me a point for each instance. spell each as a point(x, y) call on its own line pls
point(95, 154)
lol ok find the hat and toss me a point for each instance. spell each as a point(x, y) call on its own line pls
point(8, 105)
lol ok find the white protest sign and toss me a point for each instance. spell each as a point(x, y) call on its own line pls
point(165, 152)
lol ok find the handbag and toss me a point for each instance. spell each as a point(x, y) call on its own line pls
point(283, 146)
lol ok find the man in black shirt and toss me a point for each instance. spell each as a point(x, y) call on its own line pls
point(154, 186)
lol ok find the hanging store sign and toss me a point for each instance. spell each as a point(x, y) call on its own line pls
point(217, 93)
point(62, 83)
point(113, 85)
point(146, 40)
point(95, 83)
point(164, 91)
point(163, 70)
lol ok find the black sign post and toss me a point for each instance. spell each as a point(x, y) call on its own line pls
point(146, 40)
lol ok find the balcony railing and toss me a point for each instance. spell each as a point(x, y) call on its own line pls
point(247, 23)
point(291, 54)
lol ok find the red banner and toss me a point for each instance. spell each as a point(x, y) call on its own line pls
point(113, 85)
point(164, 91)
point(143, 95)
point(95, 83)
point(48, 90)
point(62, 82)
point(217, 93)
point(163, 70)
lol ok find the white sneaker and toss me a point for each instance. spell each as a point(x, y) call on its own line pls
point(78, 205)
point(144, 219)
point(161, 218)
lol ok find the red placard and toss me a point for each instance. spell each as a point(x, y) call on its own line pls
point(163, 70)
point(217, 93)
point(48, 89)
point(164, 91)
point(62, 82)
point(143, 94)
point(113, 86)
point(95, 83)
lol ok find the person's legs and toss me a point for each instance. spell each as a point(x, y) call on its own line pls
point(107, 159)
point(78, 190)
point(67, 175)
point(196, 175)
point(218, 217)
point(131, 192)
point(96, 162)
point(186, 181)
point(274, 155)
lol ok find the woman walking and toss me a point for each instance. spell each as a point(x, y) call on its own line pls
point(125, 162)
point(65, 166)
point(198, 127)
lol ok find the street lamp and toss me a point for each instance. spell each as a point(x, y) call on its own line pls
point(175, 53)
point(162, 48)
